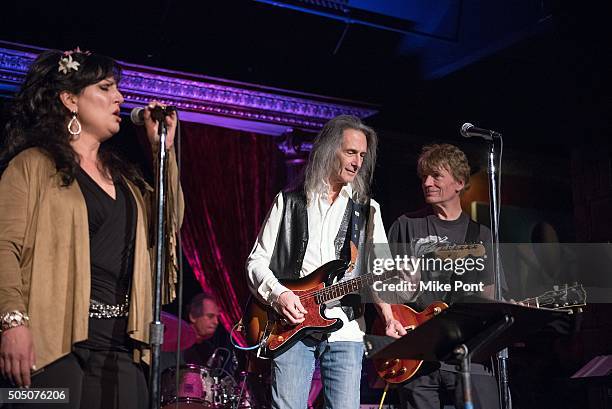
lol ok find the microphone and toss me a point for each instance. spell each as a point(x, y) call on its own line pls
point(468, 130)
point(137, 114)
point(211, 360)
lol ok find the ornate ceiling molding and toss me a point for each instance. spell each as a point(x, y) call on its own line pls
point(205, 99)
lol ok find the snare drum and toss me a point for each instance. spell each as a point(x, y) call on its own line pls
point(194, 387)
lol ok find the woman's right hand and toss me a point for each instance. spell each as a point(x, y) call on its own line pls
point(17, 355)
point(151, 125)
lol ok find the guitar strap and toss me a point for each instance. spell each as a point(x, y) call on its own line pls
point(472, 235)
point(355, 231)
point(341, 243)
point(347, 242)
point(473, 232)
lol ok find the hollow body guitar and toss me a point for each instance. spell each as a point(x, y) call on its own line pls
point(400, 370)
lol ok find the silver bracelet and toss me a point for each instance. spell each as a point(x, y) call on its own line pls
point(13, 319)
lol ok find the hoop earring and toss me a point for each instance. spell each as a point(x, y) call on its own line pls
point(74, 122)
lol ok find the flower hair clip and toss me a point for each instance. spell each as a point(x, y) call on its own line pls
point(66, 63)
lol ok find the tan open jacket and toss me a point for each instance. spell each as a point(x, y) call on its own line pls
point(44, 254)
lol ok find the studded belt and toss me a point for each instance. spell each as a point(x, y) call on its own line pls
point(99, 309)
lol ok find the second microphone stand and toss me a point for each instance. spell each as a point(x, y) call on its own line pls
point(502, 356)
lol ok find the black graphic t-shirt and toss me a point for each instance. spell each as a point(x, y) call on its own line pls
point(419, 234)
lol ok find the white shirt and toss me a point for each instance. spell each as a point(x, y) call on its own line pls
point(324, 221)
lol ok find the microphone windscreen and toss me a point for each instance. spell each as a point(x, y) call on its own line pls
point(137, 116)
point(465, 128)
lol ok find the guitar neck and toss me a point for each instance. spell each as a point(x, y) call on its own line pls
point(560, 297)
point(353, 285)
point(530, 302)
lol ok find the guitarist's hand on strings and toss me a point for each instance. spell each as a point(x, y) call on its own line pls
point(394, 328)
point(289, 305)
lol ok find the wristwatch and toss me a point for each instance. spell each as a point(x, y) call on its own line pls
point(13, 319)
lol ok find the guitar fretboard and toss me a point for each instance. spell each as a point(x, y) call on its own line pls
point(350, 286)
point(531, 302)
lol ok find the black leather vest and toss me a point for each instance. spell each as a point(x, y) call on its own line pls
point(292, 239)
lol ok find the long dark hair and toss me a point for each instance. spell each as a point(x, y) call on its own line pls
point(38, 118)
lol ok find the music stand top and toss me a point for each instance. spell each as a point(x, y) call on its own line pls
point(484, 325)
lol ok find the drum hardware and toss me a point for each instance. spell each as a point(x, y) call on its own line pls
point(203, 388)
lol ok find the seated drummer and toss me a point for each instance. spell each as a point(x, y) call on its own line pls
point(204, 318)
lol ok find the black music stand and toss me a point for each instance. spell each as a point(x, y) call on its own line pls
point(472, 329)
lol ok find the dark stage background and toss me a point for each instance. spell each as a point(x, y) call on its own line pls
point(548, 91)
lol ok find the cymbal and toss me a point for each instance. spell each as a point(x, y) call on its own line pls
point(171, 326)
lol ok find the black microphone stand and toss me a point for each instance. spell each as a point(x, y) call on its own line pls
point(502, 356)
point(156, 331)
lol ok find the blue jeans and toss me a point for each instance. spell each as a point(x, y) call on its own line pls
point(340, 364)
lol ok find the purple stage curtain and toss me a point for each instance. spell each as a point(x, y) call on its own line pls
point(229, 179)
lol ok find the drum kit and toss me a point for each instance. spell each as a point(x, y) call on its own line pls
point(208, 386)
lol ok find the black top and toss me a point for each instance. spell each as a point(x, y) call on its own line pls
point(112, 227)
point(418, 234)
